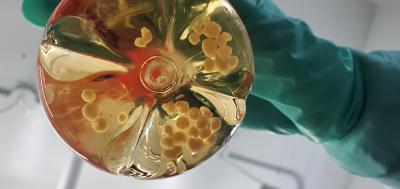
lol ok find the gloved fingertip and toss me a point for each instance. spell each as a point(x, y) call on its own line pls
point(38, 12)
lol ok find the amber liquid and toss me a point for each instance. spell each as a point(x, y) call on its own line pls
point(142, 106)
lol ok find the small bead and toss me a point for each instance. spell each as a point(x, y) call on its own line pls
point(202, 122)
point(194, 113)
point(91, 111)
point(145, 39)
point(205, 20)
point(182, 123)
point(209, 65)
point(195, 144)
point(210, 47)
point(172, 154)
point(225, 51)
point(167, 142)
point(146, 35)
point(222, 65)
point(198, 27)
point(204, 133)
point(122, 117)
point(211, 139)
point(233, 61)
point(226, 36)
point(169, 108)
point(88, 95)
point(179, 138)
point(206, 112)
point(193, 132)
point(212, 29)
point(100, 125)
point(168, 130)
point(194, 38)
point(182, 106)
point(215, 124)
point(139, 42)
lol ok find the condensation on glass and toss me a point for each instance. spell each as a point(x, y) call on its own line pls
point(145, 88)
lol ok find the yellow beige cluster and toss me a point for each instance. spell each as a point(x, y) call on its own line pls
point(145, 39)
point(92, 112)
point(215, 45)
point(192, 130)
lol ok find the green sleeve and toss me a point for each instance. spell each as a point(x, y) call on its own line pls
point(38, 11)
point(372, 147)
point(262, 115)
point(312, 82)
point(347, 100)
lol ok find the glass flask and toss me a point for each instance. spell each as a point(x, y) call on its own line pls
point(145, 88)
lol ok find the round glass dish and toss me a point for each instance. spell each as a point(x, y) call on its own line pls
point(145, 88)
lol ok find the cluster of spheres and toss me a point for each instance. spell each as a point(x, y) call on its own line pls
point(145, 88)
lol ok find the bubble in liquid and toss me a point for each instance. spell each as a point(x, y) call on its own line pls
point(145, 88)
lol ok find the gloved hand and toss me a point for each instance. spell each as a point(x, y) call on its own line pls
point(38, 11)
point(344, 99)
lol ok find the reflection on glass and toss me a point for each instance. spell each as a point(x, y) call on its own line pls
point(145, 88)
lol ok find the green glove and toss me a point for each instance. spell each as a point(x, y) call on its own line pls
point(310, 81)
point(339, 97)
point(38, 11)
point(344, 99)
